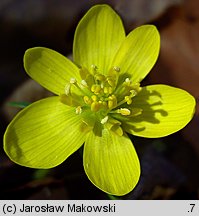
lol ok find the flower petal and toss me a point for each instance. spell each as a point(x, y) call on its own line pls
point(49, 68)
point(97, 38)
point(111, 162)
point(44, 134)
point(165, 110)
point(138, 53)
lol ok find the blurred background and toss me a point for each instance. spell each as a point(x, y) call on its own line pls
point(170, 165)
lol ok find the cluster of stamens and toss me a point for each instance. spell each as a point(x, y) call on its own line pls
point(101, 93)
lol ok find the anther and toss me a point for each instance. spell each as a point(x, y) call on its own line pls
point(95, 106)
point(84, 83)
point(127, 82)
point(133, 93)
point(110, 90)
point(96, 89)
point(104, 120)
point(124, 111)
point(112, 101)
point(137, 87)
point(105, 90)
point(78, 110)
point(110, 104)
point(93, 88)
point(73, 80)
point(87, 100)
point(94, 97)
point(102, 85)
point(94, 68)
point(128, 100)
point(117, 69)
point(67, 89)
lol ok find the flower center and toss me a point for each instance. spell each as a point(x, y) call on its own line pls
point(106, 96)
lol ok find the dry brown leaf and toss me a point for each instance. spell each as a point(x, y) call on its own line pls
point(178, 64)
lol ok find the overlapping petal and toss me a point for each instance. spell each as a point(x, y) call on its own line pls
point(49, 68)
point(97, 38)
point(44, 134)
point(165, 110)
point(111, 162)
point(138, 53)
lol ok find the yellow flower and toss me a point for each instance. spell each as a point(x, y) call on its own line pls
point(99, 99)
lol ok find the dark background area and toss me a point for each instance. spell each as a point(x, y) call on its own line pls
point(170, 165)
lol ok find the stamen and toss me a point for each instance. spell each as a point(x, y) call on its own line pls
point(95, 106)
point(78, 110)
point(108, 90)
point(87, 100)
point(105, 90)
point(81, 86)
point(73, 80)
point(94, 97)
point(94, 68)
point(112, 101)
point(104, 120)
point(84, 83)
point(117, 69)
point(96, 88)
point(124, 111)
point(137, 87)
point(127, 82)
point(128, 99)
point(67, 89)
point(133, 93)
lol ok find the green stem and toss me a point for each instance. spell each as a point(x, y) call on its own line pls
point(111, 197)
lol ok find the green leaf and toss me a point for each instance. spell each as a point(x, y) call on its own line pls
point(165, 110)
point(111, 197)
point(20, 104)
point(41, 173)
point(50, 69)
point(111, 162)
point(97, 38)
point(138, 53)
point(43, 134)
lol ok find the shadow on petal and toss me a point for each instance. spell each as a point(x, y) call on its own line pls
point(152, 106)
